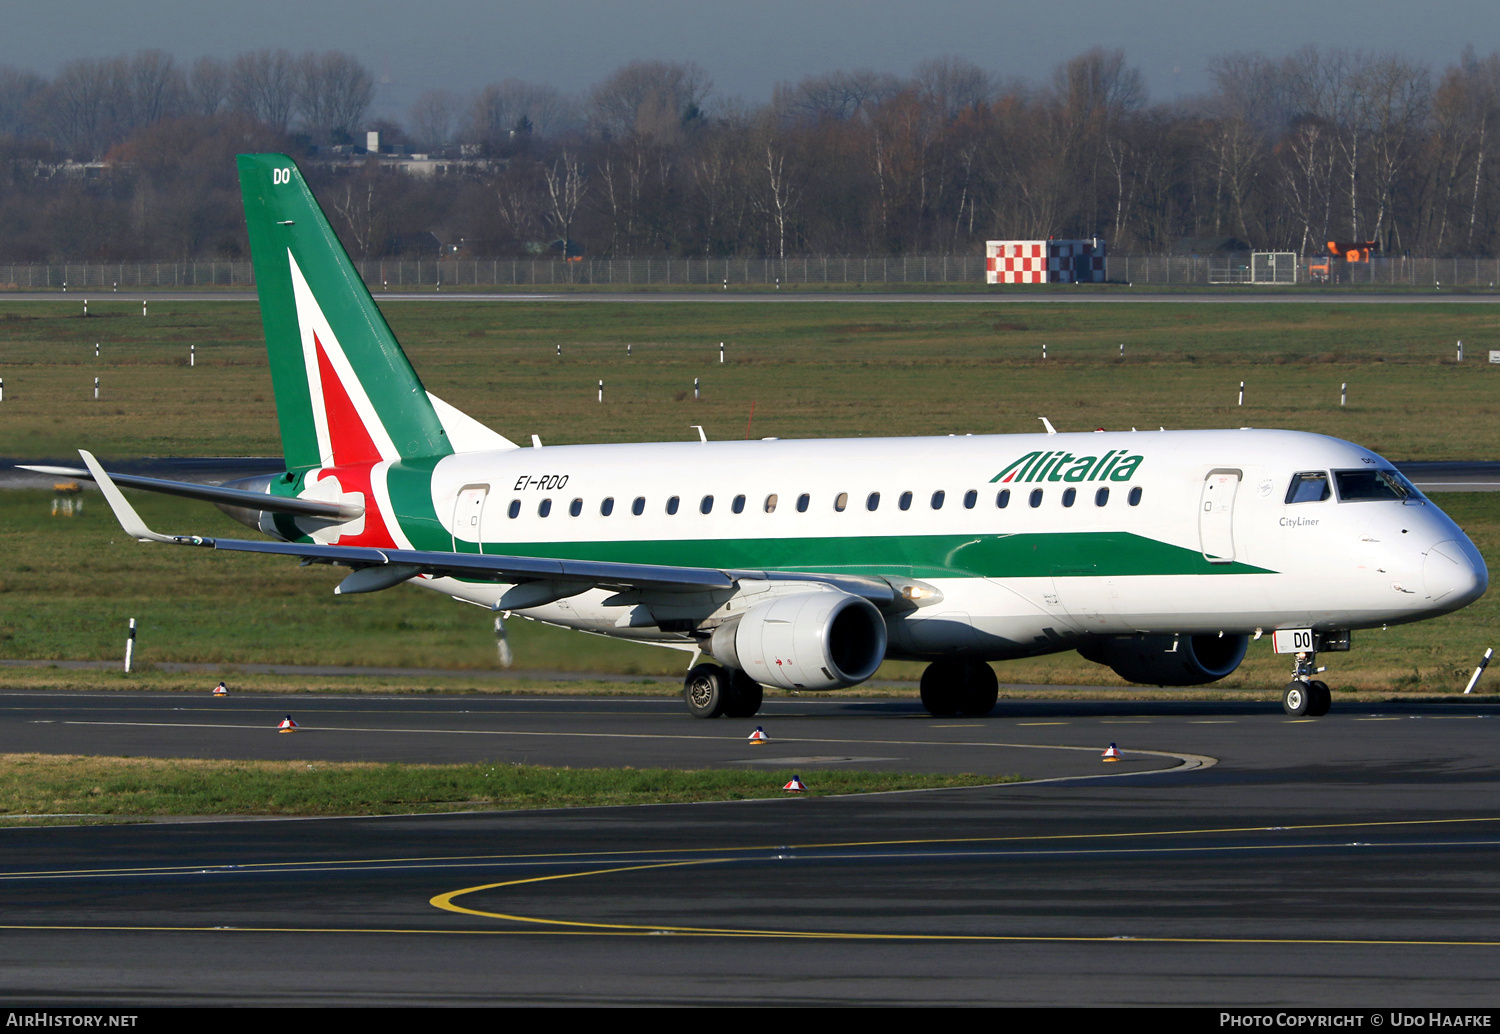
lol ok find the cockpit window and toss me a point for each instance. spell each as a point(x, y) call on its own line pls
point(1387, 484)
point(1311, 487)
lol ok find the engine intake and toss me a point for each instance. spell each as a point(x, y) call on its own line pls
point(1152, 660)
point(808, 640)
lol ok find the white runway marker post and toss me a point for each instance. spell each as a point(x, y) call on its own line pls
point(1483, 663)
point(96, 389)
point(1460, 351)
point(96, 350)
point(1344, 394)
point(143, 306)
point(85, 306)
point(130, 647)
point(601, 391)
point(1044, 350)
point(192, 355)
point(721, 353)
point(695, 389)
point(1242, 393)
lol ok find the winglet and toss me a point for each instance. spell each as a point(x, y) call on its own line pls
point(124, 512)
point(1047, 424)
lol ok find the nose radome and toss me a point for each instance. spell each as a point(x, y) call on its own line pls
point(1448, 574)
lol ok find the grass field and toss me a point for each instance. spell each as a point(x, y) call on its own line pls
point(68, 586)
point(36, 788)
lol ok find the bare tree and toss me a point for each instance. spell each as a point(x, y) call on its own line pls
point(433, 116)
point(263, 84)
point(838, 96)
point(157, 87)
point(77, 106)
point(566, 186)
point(950, 85)
point(333, 94)
point(207, 86)
point(19, 91)
point(649, 96)
point(503, 110)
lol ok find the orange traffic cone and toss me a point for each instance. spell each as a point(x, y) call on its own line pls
point(221, 690)
point(287, 725)
point(1112, 754)
point(759, 736)
point(795, 786)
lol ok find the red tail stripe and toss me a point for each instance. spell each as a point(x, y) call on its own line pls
point(347, 435)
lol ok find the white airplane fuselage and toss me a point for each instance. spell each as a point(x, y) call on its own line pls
point(1032, 576)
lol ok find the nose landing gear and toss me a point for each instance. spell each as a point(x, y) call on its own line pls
point(1305, 695)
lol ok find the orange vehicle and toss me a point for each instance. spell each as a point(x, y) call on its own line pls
point(1340, 256)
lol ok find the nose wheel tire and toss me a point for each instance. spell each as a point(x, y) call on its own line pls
point(1306, 698)
point(1322, 698)
point(1296, 698)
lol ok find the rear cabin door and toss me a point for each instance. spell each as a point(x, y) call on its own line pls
point(1216, 514)
point(467, 512)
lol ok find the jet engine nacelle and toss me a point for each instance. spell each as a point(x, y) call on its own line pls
point(807, 640)
point(1153, 661)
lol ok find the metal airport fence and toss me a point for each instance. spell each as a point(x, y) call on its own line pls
point(809, 269)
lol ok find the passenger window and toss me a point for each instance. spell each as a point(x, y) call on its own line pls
point(707, 505)
point(672, 505)
point(544, 508)
point(802, 501)
point(1003, 499)
point(970, 498)
point(937, 499)
point(1036, 498)
point(515, 509)
point(739, 504)
point(1101, 497)
point(639, 506)
point(607, 507)
point(1311, 487)
point(841, 503)
point(1070, 495)
point(906, 500)
point(873, 502)
point(1135, 497)
point(575, 507)
point(771, 503)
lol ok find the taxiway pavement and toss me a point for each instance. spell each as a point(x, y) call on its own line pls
point(1347, 860)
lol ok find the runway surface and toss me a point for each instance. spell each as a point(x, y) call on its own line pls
point(1061, 296)
point(1254, 860)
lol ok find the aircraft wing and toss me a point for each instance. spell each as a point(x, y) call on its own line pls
point(215, 494)
point(382, 568)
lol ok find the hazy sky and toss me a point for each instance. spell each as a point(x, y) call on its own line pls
point(747, 45)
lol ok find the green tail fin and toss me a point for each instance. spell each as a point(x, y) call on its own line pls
point(345, 392)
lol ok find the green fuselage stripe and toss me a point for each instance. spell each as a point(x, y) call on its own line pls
point(1070, 554)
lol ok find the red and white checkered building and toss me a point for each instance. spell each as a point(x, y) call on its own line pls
point(1044, 262)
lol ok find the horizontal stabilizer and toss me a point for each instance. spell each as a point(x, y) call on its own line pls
point(215, 494)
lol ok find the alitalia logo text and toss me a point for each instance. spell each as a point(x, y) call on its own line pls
point(1114, 465)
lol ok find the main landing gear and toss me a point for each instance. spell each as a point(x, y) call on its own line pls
point(712, 690)
point(959, 687)
point(1305, 695)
